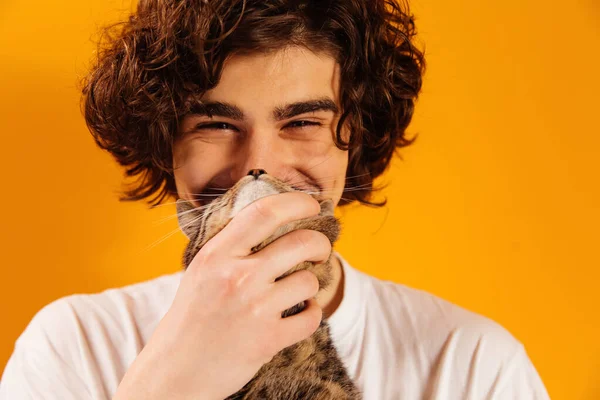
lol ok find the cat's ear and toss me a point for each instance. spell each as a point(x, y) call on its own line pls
point(327, 207)
point(187, 216)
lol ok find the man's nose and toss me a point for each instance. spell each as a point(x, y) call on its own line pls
point(257, 172)
point(262, 153)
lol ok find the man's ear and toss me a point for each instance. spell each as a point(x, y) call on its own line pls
point(187, 216)
point(326, 207)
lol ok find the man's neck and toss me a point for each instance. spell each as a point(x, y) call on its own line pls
point(330, 299)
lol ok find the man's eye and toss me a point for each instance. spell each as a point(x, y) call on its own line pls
point(303, 124)
point(216, 125)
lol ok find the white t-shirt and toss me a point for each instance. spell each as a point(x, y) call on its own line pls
point(396, 342)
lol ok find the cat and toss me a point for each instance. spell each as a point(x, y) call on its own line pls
point(311, 368)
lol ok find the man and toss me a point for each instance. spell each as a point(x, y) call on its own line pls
point(191, 95)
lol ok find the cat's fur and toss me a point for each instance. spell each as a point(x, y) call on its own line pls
point(311, 368)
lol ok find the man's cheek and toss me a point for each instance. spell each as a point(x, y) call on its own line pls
point(315, 150)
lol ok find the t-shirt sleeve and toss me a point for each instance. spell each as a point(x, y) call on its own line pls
point(36, 370)
point(36, 374)
point(482, 360)
point(519, 380)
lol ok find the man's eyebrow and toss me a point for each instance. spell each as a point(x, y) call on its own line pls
point(219, 109)
point(222, 109)
point(303, 107)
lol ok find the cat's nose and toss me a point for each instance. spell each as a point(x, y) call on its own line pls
point(257, 172)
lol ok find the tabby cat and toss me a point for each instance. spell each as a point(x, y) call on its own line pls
point(311, 368)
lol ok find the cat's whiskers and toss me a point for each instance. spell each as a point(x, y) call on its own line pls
point(327, 179)
point(323, 180)
point(177, 215)
point(174, 231)
point(318, 193)
point(308, 169)
point(217, 208)
point(347, 189)
point(204, 194)
point(163, 204)
point(194, 194)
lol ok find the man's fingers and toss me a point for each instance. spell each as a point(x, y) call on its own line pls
point(290, 250)
point(300, 326)
point(260, 219)
point(291, 290)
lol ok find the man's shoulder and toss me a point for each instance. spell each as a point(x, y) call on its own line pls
point(427, 318)
point(451, 342)
point(111, 315)
point(87, 341)
point(157, 291)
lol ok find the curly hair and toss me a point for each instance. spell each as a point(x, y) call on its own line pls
point(170, 51)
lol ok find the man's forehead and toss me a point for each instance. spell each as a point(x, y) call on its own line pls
point(287, 76)
point(289, 58)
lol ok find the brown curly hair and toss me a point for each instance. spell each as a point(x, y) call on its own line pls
point(170, 51)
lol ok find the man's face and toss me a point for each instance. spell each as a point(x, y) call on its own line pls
point(269, 111)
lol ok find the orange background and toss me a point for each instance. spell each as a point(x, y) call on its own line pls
point(496, 207)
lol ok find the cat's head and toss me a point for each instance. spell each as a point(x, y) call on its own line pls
point(201, 223)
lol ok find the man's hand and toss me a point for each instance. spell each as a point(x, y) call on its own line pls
point(225, 321)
